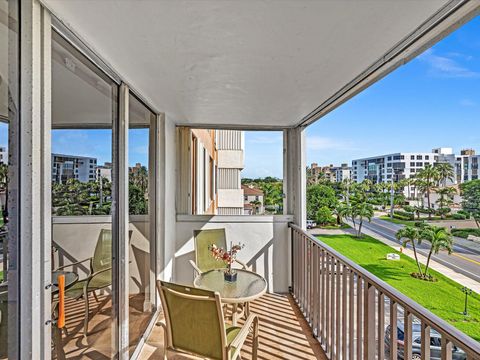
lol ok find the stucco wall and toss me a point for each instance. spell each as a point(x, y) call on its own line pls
point(266, 240)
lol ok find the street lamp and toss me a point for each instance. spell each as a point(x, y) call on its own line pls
point(467, 292)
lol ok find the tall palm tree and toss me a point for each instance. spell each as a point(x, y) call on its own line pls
point(439, 239)
point(429, 177)
point(341, 211)
point(255, 204)
point(445, 172)
point(410, 234)
point(362, 211)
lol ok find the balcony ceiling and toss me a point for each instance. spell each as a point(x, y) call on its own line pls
point(244, 63)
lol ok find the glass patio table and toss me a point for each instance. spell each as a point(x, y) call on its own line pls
point(248, 287)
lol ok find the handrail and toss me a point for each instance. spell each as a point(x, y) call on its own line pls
point(454, 335)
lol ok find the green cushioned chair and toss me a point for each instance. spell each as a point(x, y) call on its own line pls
point(194, 324)
point(99, 276)
point(204, 261)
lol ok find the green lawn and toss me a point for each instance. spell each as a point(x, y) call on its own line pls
point(444, 298)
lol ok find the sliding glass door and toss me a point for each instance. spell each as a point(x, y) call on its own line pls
point(84, 196)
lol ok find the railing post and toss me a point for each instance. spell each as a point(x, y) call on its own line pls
point(425, 339)
point(447, 348)
point(407, 329)
point(393, 330)
point(369, 322)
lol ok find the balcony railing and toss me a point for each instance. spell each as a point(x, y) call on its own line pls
point(350, 310)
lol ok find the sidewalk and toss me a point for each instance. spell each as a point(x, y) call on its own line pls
point(461, 279)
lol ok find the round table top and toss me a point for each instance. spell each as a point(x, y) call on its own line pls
point(249, 285)
point(70, 279)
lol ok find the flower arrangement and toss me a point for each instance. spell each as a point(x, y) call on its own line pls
point(228, 257)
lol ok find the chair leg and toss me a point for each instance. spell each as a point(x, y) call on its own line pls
point(255, 339)
point(87, 306)
point(95, 296)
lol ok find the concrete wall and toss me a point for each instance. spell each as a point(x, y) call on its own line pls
point(266, 240)
point(232, 198)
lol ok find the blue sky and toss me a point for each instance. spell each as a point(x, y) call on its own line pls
point(433, 101)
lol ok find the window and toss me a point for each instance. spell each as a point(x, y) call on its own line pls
point(402, 157)
point(389, 158)
point(412, 157)
point(412, 164)
point(427, 157)
point(232, 175)
point(419, 164)
point(419, 157)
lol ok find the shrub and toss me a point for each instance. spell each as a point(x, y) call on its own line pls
point(465, 213)
point(409, 208)
point(463, 233)
point(458, 216)
point(405, 215)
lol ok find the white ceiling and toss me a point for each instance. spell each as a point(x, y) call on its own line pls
point(241, 62)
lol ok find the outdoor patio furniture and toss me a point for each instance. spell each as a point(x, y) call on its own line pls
point(194, 324)
point(248, 287)
point(99, 276)
point(204, 261)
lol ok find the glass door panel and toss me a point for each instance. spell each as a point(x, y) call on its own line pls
point(84, 112)
point(141, 150)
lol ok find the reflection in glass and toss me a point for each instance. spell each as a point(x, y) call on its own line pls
point(8, 179)
point(141, 291)
point(84, 107)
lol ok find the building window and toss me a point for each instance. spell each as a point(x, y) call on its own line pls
point(412, 164)
point(412, 157)
point(419, 164)
point(427, 157)
point(419, 157)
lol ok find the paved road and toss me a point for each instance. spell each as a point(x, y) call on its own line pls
point(463, 260)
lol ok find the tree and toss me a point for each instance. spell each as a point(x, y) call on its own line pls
point(255, 204)
point(445, 172)
point(341, 211)
point(439, 239)
point(429, 176)
point(319, 196)
point(471, 199)
point(362, 211)
point(410, 234)
point(445, 196)
point(324, 216)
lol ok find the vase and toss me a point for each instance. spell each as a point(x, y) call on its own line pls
point(230, 276)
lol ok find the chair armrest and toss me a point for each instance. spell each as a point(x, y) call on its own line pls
point(195, 267)
point(95, 274)
point(243, 265)
point(243, 333)
point(165, 336)
point(72, 264)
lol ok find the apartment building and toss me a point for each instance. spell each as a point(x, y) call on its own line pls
point(466, 166)
point(104, 171)
point(330, 172)
point(65, 167)
point(230, 149)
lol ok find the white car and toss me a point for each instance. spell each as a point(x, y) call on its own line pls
point(311, 224)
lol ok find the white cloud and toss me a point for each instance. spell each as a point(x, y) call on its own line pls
point(447, 67)
point(325, 143)
point(467, 103)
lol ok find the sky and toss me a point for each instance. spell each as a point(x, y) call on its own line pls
point(432, 101)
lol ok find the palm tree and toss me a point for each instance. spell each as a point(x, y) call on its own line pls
point(255, 204)
point(439, 239)
point(445, 172)
point(429, 176)
point(410, 234)
point(362, 211)
point(341, 211)
point(445, 199)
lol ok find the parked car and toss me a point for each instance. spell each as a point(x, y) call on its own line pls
point(311, 224)
point(435, 343)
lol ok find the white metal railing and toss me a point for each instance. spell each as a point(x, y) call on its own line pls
point(350, 310)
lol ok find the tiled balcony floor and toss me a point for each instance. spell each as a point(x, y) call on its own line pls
point(98, 343)
point(284, 334)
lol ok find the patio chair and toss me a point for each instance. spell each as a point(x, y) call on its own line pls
point(99, 276)
point(194, 324)
point(204, 261)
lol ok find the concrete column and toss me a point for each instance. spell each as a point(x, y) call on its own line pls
point(294, 187)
